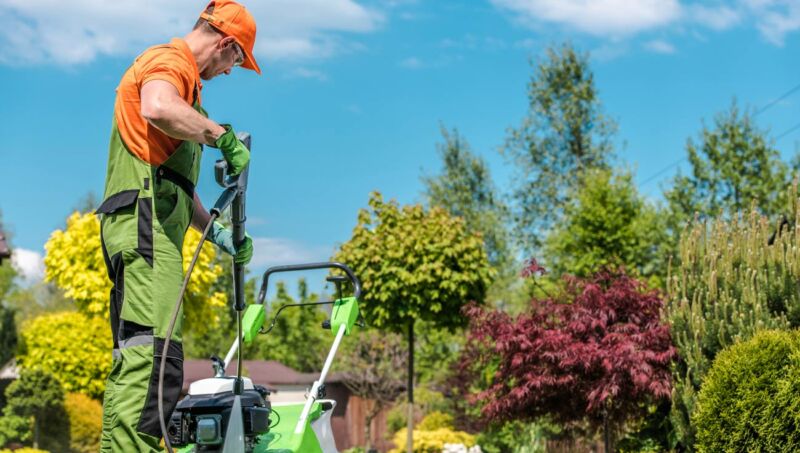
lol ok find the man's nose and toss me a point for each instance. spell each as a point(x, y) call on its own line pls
point(228, 71)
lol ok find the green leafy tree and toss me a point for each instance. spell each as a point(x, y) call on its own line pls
point(415, 264)
point(8, 330)
point(38, 395)
point(563, 134)
point(298, 339)
point(607, 224)
point(72, 347)
point(735, 277)
point(464, 188)
point(733, 164)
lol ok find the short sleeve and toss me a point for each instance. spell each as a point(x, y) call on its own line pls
point(169, 64)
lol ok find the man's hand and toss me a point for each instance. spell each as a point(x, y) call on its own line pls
point(233, 150)
point(223, 238)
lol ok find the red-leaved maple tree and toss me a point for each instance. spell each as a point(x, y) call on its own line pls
point(596, 354)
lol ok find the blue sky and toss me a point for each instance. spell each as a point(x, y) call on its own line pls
point(354, 92)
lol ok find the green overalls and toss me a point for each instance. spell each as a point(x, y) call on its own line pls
point(145, 214)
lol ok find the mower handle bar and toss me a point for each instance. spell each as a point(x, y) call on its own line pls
point(262, 294)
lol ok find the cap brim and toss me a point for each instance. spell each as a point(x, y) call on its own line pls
point(249, 62)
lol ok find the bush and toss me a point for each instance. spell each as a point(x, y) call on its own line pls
point(432, 441)
point(750, 397)
point(436, 420)
point(24, 450)
point(85, 422)
point(72, 347)
point(735, 277)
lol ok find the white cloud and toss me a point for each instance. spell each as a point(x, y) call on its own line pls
point(616, 19)
point(44, 31)
point(306, 73)
point(275, 251)
point(774, 18)
point(716, 18)
point(596, 17)
point(29, 264)
point(660, 46)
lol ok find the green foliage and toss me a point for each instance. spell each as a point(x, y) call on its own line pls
point(564, 134)
point(8, 334)
point(730, 283)
point(436, 352)
point(465, 189)
point(415, 265)
point(85, 422)
point(426, 401)
point(297, 340)
point(72, 347)
point(733, 165)
point(38, 395)
point(517, 437)
point(14, 429)
point(737, 408)
point(607, 224)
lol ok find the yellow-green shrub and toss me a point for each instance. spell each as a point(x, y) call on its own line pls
point(85, 422)
point(74, 262)
point(25, 450)
point(436, 420)
point(432, 441)
point(74, 348)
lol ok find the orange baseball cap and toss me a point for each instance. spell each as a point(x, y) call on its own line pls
point(234, 20)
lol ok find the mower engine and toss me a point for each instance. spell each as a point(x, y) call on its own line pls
point(201, 418)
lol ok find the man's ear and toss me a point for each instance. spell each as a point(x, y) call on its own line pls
point(225, 42)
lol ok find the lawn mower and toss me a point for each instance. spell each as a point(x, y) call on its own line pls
point(230, 414)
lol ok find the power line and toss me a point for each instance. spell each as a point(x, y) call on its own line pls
point(788, 131)
point(763, 109)
point(775, 101)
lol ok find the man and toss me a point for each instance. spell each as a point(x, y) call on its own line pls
point(157, 135)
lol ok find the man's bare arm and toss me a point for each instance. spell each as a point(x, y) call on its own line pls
point(201, 217)
point(163, 107)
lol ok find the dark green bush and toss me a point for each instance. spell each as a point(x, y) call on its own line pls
point(744, 399)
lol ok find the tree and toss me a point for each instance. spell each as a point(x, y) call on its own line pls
point(606, 224)
point(298, 339)
point(37, 395)
point(74, 262)
point(372, 369)
point(8, 330)
point(465, 189)
point(415, 264)
point(736, 276)
point(72, 347)
point(598, 356)
point(564, 134)
point(733, 165)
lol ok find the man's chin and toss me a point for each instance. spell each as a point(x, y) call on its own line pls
point(207, 77)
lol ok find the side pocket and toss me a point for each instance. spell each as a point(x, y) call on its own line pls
point(173, 383)
point(118, 201)
point(145, 228)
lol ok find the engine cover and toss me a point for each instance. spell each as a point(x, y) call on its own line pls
point(201, 418)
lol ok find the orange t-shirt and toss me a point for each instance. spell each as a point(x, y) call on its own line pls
point(171, 62)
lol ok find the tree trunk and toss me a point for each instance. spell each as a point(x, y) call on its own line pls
point(36, 432)
point(410, 426)
point(376, 408)
point(607, 441)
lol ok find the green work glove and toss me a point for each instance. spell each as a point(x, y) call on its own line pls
point(223, 238)
point(233, 150)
